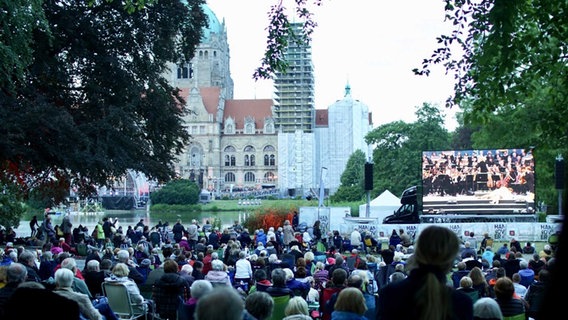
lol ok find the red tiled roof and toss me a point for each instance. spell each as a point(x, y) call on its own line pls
point(239, 109)
point(322, 119)
point(210, 96)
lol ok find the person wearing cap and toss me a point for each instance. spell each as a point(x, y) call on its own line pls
point(183, 244)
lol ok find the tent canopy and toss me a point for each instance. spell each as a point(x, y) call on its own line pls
point(386, 199)
point(383, 205)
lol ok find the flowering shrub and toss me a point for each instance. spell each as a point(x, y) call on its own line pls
point(264, 218)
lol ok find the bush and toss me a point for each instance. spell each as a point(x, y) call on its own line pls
point(180, 191)
point(266, 218)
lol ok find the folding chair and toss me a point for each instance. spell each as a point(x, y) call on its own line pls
point(120, 303)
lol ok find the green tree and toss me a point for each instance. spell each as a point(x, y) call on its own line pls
point(398, 148)
point(90, 100)
point(509, 62)
point(179, 191)
point(352, 179)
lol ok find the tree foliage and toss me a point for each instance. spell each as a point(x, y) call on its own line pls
point(179, 191)
point(90, 99)
point(352, 179)
point(509, 61)
point(398, 149)
point(280, 33)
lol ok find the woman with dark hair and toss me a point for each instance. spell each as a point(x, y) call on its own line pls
point(424, 294)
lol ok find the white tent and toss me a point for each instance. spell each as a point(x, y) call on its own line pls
point(383, 205)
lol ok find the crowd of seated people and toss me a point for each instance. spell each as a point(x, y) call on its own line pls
point(179, 279)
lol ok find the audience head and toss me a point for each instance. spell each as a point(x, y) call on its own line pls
point(222, 303)
point(120, 270)
point(64, 278)
point(217, 265)
point(259, 304)
point(16, 273)
point(351, 300)
point(199, 288)
point(504, 289)
point(123, 256)
point(93, 265)
point(296, 305)
point(338, 277)
point(170, 266)
point(260, 275)
point(187, 268)
point(355, 281)
point(278, 277)
point(487, 309)
point(436, 247)
point(466, 282)
point(69, 263)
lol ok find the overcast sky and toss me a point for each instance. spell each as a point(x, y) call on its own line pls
point(372, 44)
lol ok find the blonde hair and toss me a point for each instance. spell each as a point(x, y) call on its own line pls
point(465, 282)
point(296, 305)
point(351, 300)
point(436, 250)
point(120, 270)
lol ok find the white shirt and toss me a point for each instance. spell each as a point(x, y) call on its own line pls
point(243, 269)
point(355, 238)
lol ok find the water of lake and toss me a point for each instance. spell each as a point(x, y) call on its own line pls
point(130, 218)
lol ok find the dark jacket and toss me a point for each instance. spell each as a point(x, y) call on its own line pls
point(167, 292)
point(398, 298)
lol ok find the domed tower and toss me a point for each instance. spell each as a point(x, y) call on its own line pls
point(211, 65)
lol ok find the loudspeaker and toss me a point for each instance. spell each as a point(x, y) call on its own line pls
point(559, 173)
point(368, 176)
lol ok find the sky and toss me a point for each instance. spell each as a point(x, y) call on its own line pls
point(371, 44)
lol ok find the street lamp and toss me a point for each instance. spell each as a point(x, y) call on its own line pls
point(322, 189)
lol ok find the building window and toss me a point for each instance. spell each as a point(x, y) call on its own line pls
point(230, 177)
point(269, 176)
point(249, 177)
point(268, 148)
point(249, 128)
point(266, 160)
point(272, 160)
point(184, 72)
point(247, 161)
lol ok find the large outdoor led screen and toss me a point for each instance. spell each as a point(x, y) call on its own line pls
point(478, 173)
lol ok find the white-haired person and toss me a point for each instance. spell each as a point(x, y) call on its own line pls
point(125, 257)
point(218, 274)
point(64, 282)
point(487, 309)
point(120, 275)
point(297, 309)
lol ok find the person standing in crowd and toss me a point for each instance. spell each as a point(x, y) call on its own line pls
point(33, 225)
point(394, 239)
point(436, 250)
point(288, 233)
point(356, 239)
point(405, 238)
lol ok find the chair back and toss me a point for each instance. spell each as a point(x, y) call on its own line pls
point(351, 260)
point(119, 300)
point(280, 304)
